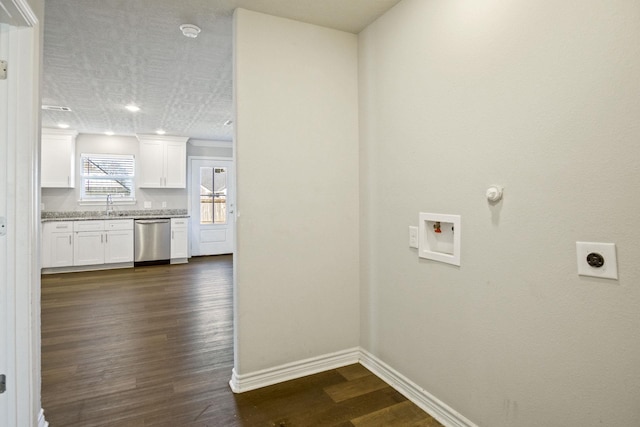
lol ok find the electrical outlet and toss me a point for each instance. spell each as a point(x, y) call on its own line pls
point(413, 237)
point(147, 205)
point(597, 260)
point(164, 204)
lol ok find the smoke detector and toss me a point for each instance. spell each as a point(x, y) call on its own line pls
point(189, 30)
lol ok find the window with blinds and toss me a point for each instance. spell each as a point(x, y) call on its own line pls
point(107, 174)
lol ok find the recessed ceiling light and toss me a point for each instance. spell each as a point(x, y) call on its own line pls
point(133, 108)
point(63, 125)
point(160, 132)
point(110, 133)
point(190, 30)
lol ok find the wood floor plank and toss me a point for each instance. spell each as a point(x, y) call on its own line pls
point(354, 388)
point(402, 414)
point(353, 372)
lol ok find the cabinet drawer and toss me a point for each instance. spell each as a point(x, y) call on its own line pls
point(59, 226)
point(119, 224)
point(91, 225)
point(179, 222)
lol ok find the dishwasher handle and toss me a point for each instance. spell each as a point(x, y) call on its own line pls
point(152, 221)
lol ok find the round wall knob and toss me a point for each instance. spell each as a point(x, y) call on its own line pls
point(494, 194)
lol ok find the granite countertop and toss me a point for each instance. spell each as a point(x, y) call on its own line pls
point(47, 216)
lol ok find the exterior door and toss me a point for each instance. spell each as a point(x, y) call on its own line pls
point(212, 207)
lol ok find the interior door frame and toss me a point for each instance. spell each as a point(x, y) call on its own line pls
point(20, 142)
point(232, 199)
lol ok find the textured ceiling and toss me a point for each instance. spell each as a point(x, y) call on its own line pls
point(100, 55)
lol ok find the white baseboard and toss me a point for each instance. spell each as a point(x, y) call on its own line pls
point(41, 421)
point(291, 371)
point(426, 401)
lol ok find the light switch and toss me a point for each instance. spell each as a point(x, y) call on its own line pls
point(597, 260)
point(413, 237)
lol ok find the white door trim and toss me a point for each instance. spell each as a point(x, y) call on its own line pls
point(22, 211)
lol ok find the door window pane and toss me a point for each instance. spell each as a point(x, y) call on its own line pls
point(213, 195)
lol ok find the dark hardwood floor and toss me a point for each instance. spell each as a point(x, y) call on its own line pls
point(153, 346)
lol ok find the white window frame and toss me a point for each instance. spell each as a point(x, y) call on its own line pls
point(116, 198)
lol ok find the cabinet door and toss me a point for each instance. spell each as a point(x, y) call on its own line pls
point(176, 165)
point(179, 242)
point(58, 159)
point(57, 244)
point(88, 248)
point(118, 246)
point(151, 164)
point(61, 254)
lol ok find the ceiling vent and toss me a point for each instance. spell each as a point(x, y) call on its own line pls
point(55, 108)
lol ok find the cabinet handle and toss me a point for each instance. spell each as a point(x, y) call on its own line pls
point(106, 238)
point(102, 238)
point(69, 239)
point(172, 234)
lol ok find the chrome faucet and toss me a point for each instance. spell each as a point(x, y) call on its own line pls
point(109, 205)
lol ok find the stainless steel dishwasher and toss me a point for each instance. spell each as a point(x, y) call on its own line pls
point(152, 241)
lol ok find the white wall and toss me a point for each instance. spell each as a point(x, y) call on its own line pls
point(297, 159)
point(210, 148)
point(65, 199)
point(541, 97)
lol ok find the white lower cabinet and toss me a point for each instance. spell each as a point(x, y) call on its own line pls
point(57, 244)
point(103, 242)
point(91, 242)
point(179, 238)
point(118, 246)
point(88, 247)
point(118, 241)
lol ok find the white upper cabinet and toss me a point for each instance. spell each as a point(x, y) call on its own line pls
point(162, 162)
point(58, 158)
